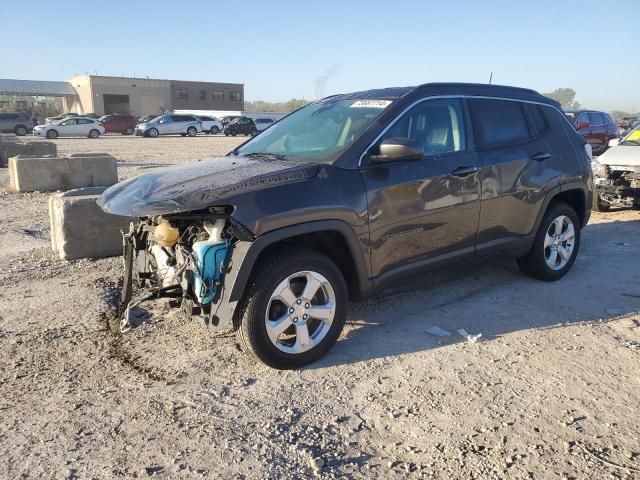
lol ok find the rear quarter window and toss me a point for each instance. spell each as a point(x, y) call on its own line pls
point(498, 122)
point(595, 118)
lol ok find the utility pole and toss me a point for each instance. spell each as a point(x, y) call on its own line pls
point(490, 78)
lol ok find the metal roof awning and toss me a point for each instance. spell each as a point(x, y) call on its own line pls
point(35, 87)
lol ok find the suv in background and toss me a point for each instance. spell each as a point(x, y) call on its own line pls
point(60, 117)
point(228, 119)
point(124, 124)
point(210, 124)
point(170, 124)
point(241, 126)
point(16, 122)
point(347, 195)
point(597, 128)
point(262, 123)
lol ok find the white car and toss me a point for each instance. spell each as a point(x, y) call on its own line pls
point(617, 174)
point(210, 124)
point(262, 123)
point(70, 127)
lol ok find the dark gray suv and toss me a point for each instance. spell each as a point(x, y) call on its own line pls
point(16, 122)
point(347, 195)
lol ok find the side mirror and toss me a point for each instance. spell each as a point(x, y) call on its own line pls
point(614, 142)
point(582, 125)
point(398, 149)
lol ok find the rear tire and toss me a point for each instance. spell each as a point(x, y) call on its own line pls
point(52, 134)
point(556, 244)
point(301, 273)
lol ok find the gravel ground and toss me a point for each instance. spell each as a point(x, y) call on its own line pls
point(550, 391)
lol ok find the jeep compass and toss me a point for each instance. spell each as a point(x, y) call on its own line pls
point(346, 195)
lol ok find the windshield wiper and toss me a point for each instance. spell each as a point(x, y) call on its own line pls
point(279, 156)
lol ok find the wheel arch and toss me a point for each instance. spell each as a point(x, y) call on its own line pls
point(576, 194)
point(332, 238)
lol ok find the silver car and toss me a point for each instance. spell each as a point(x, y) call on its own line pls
point(170, 124)
point(15, 122)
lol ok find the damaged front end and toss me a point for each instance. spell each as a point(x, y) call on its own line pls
point(618, 186)
point(185, 257)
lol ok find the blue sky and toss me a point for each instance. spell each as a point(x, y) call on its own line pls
point(279, 49)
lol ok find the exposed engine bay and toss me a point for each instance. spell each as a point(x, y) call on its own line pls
point(618, 186)
point(184, 257)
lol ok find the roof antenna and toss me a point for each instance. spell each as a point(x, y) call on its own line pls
point(490, 78)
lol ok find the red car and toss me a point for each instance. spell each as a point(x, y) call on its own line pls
point(124, 124)
point(597, 128)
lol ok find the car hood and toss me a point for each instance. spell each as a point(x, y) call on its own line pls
point(199, 185)
point(623, 155)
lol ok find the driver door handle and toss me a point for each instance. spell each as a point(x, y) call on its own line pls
point(464, 171)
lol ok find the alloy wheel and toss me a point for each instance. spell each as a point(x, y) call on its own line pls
point(300, 312)
point(559, 242)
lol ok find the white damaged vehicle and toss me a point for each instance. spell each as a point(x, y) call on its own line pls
point(617, 174)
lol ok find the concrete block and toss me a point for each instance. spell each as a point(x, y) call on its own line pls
point(28, 173)
point(12, 148)
point(79, 227)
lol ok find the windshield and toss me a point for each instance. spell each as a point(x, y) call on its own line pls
point(319, 131)
point(632, 139)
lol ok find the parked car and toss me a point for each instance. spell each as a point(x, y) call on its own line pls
point(627, 122)
point(617, 181)
point(70, 127)
point(262, 123)
point(170, 124)
point(16, 122)
point(60, 117)
point(124, 124)
point(241, 126)
point(597, 128)
point(348, 195)
point(210, 124)
point(228, 119)
point(147, 118)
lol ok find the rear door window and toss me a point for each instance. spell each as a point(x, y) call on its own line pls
point(498, 122)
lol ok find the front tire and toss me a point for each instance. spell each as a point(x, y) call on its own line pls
point(153, 132)
point(556, 244)
point(20, 130)
point(598, 205)
point(294, 309)
point(52, 134)
point(192, 131)
point(214, 130)
point(94, 133)
point(128, 131)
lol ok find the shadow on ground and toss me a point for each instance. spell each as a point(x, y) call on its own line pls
point(493, 298)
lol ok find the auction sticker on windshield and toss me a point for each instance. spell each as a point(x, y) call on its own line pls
point(371, 104)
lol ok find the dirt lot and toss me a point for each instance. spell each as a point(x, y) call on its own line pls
point(551, 391)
